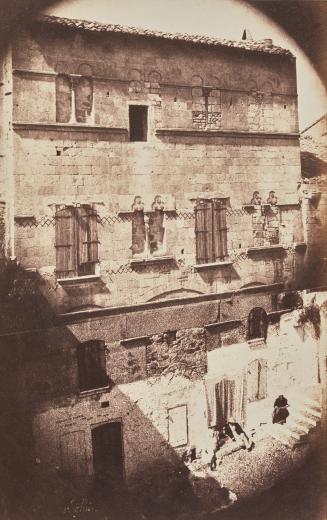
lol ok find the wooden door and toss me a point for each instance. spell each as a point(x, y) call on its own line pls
point(108, 452)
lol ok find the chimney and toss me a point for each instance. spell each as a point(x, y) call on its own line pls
point(268, 42)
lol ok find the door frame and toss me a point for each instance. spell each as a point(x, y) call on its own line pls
point(93, 426)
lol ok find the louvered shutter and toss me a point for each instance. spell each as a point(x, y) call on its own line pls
point(252, 381)
point(94, 241)
point(65, 243)
point(262, 378)
point(87, 239)
point(138, 232)
point(203, 232)
point(83, 235)
point(219, 230)
point(225, 396)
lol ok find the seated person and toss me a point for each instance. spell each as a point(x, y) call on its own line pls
point(235, 431)
point(280, 412)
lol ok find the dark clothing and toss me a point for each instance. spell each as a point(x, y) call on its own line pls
point(280, 401)
point(280, 412)
point(229, 432)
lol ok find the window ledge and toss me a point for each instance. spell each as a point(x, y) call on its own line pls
point(102, 389)
point(78, 279)
point(262, 249)
point(256, 342)
point(223, 324)
point(77, 127)
point(213, 265)
point(151, 260)
point(130, 342)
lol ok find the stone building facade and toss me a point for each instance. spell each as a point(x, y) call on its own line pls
point(313, 143)
point(155, 196)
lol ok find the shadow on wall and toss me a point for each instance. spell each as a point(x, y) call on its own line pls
point(39, 373)
point(312, 166)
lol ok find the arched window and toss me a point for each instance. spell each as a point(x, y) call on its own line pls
point(91, 359)
point(83, 99)
point(257, 323)
point(257, 380)
point(63, 98)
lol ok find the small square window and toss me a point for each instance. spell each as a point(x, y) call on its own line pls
point(138, 123)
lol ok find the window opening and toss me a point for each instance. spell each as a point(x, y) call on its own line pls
point(91, 360)
point(138, 122)
point(257, 323)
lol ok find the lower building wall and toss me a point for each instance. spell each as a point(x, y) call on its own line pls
point(167, 414)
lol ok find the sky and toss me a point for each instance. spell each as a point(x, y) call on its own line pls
point(216, 18)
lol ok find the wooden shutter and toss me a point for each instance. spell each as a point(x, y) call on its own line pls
point(262, 378)
point(138, 232)
point(65, 242)
point(83, 235)
point(252, 381)
point(63, 99)
point(219, 230)
point(203, 232)
point(92, 365)
point(87, 239)
point(225, 398)
point(83, 99)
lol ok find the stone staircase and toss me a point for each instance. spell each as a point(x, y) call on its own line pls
point(305, 415)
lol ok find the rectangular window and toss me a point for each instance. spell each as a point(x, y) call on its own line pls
point(210, 231)
point(91, 360)
point(177, 426)
point(76, 241)
point(138, 123)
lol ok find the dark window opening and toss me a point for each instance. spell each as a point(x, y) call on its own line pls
point(257, 323)
point(210, 231)
point(76, 241)
point(91, 360)
point(138, 123)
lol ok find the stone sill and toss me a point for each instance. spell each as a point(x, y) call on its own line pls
point(262, 249)
point(189, 132)
point(223, 324)
point(135, 262)
point(257, 342)
point(75, 127)
point(289, 205)
point(78, 279)
point(127, 342)
point(213, 265)
point(93, 391)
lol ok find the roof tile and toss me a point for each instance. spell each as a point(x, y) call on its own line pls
point(247, 45)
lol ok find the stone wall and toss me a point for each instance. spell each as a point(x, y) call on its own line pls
point(2, 229)
point(153, 378)
point(95, 163)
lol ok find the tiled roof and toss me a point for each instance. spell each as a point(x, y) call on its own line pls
point(247, 45)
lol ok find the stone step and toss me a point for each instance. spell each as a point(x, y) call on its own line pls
point(303, 418)
point(310, 403)
point(311, 413)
